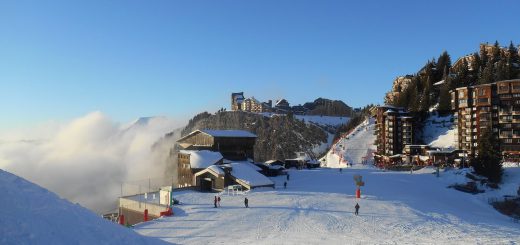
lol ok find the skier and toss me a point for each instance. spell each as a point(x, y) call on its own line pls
point(357, 209)
point(215, 201)
point(246, 202)
point(285, 185)
point(218, 201)
point(340, 170)
point(287, 176)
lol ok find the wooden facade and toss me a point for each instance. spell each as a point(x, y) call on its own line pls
point(234, 148)
point(494, 106)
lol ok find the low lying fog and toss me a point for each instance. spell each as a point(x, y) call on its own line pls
point(87, 159)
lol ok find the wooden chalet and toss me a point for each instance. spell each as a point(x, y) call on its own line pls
point(232, 144)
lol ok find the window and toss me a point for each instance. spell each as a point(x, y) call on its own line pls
point(483, 100)
point(481, 92)
point(461, 94)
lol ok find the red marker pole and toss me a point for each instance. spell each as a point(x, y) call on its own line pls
point(121, 219)
point(358, 193)
point(145, 215)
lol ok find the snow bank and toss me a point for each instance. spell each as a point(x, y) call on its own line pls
point(30, 214)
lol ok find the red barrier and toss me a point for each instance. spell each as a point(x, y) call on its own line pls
point(168, 212)
point(358, 193)
point(121, 219)
point(145, 215)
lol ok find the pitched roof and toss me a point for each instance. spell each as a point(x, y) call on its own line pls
point(221, 134)
point(228, 133)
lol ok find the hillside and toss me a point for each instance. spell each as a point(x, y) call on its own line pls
point(317, 208)
point(279, 136)
point(327, 107)
point(30, 214)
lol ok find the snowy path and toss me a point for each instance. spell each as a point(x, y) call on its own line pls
point(317, 208)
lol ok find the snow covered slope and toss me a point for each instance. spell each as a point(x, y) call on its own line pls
point(317, 208)
point(30, 214)
point(354, 148)
point(439, 132)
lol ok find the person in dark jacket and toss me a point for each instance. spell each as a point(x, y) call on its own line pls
point(287, 176)
point(285, 185)
point(218, 201)
point(246, 202)
point(215, 201)
point(357, 209)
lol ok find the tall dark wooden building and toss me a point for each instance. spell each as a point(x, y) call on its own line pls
point(234, 145)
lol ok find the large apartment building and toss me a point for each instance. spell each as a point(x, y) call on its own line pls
point(495, 107)
point(394, 130)
point(240, 103)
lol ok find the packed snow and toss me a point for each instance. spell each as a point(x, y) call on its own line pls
point(354, 148)
point(318, 208)
point(30, 214)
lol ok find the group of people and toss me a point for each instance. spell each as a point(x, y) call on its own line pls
point(216, 202)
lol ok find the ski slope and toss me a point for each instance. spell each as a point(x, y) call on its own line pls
point(317, 208)
point(30, 214)
point(355, 148)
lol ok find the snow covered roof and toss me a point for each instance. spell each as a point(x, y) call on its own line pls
point(438, 83)
point(247, 175)
point(228, 133)
point(216, 169)
point(272, 161)
point(203, 158)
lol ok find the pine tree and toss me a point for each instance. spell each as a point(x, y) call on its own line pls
point(413, 96)
point(486, 74)
point(476, 64)
point(444, 99)
point(496, 52)
point(487, 163)
point(425, 96)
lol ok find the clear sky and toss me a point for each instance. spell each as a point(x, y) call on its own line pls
point(63, 59)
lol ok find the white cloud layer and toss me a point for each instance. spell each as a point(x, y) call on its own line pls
point(87, 159)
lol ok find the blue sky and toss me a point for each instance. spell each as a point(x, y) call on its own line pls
point(63, 59)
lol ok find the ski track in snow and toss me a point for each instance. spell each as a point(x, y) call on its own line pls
point(317, 208)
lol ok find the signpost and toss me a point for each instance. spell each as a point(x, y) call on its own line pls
point(359, 182)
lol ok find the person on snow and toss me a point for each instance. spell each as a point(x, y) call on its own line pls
point(340, 170)
point(215, 201)
point(357, 209)
point(218, 201)
point(285, 185)
point(287, 176)
point(246, 202)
